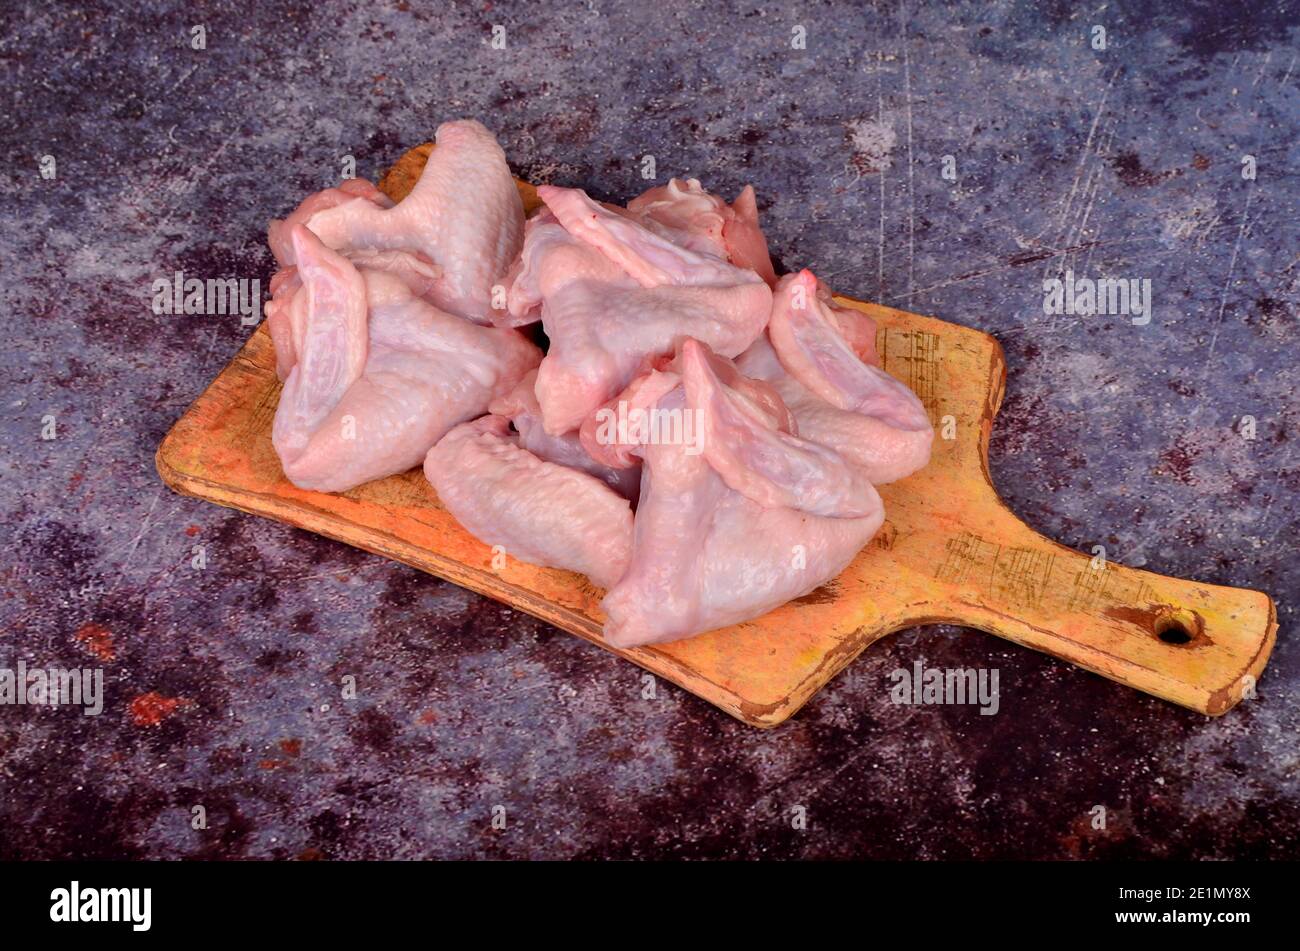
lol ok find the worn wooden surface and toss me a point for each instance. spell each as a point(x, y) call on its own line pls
point(949, 551)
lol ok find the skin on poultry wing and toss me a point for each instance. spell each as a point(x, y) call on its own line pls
point(808, 354)
point(614, 294)
point(461, 226)
point(707, 555)
point(540, 512)
point(381, 375)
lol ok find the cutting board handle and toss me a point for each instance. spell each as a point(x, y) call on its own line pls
point(1199, 645)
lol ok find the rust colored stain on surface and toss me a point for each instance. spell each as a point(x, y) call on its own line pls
point(1176, 461)
point(826, 594)
point(150, 709)
point(98, 640)
point(1129, 169)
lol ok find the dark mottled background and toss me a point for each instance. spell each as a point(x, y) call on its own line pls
point(222, 683)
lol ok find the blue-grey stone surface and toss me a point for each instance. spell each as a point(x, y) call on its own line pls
point(223, 684)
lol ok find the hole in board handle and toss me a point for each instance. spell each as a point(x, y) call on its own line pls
point(1176, 628)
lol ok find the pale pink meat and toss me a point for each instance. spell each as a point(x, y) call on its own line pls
point(745, 446)
point(542, 234)
point(381, 375)
point(867, 416)
point(614, 295)
point(649, 258)
point(539, 512)
point(278, 232)
point(601, 434)
point(520, 406)
point(689, 216)
point(285, 284)
point(706, 555)
point(327, 324)
point(463, 216)
point(701, 439)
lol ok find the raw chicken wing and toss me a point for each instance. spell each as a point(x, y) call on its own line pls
point(614, 295)
point(464, 215)
point(540, 512)
point(706, 555)
point(838, 401)
point(381, 375)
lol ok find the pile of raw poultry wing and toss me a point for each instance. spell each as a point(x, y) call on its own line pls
point(699, 438)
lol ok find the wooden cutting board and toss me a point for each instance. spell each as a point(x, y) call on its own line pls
point(950, 551)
